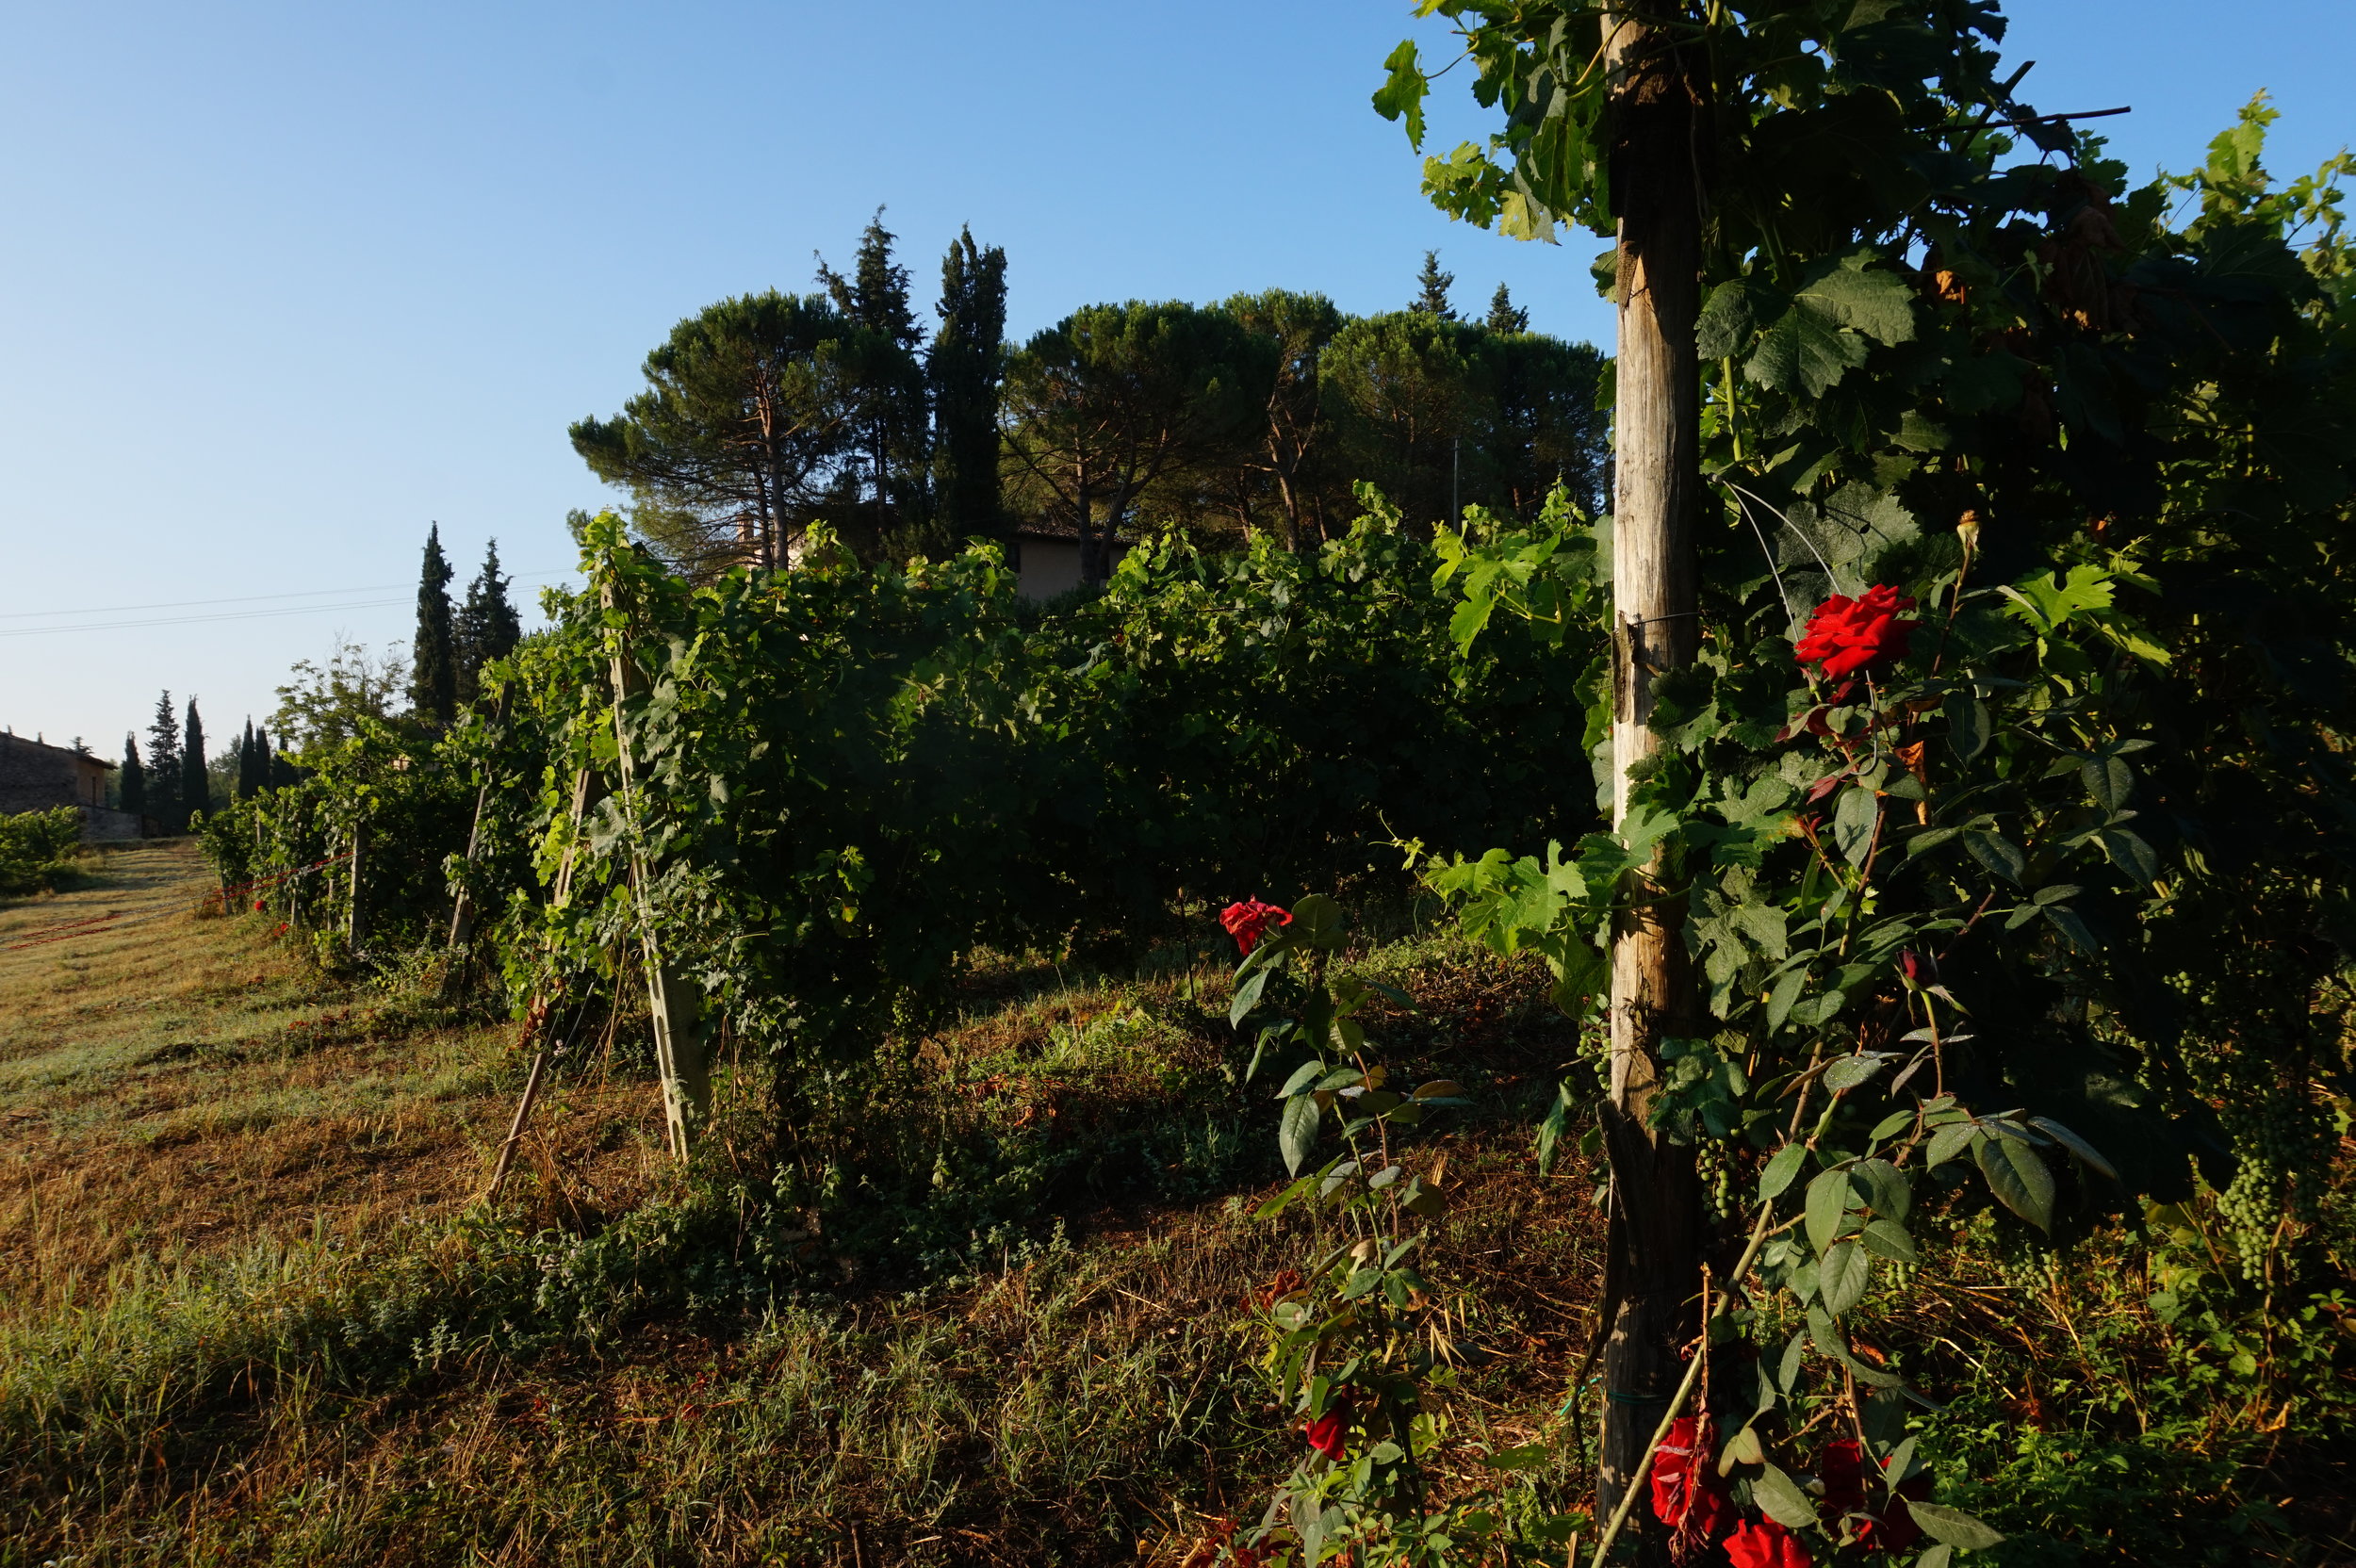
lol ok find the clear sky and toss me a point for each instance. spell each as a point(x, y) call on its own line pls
point(279, 285)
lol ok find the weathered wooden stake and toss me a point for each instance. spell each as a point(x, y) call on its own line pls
point(352, 907)
point(462, 909)
point(515, 1128)
point(1659, 117)
point(678, 1039)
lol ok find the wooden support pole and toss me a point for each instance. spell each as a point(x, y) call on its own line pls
point(352, 906)
point(462, 907)
point(678, 1037)
point(1660, 117)
point(515, 1128)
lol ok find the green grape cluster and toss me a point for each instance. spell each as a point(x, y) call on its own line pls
point(1713, 1162)
point(2250, 1207)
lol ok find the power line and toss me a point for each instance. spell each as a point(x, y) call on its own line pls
point(245, 599)
point(183, 604)
point(232, 615)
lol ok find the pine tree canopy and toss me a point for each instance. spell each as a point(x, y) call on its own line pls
point(434, 667)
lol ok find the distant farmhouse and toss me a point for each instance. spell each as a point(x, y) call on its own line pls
point(39, 777)
point(1047, 559)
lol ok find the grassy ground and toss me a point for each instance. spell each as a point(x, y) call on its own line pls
point(176, 1086)
point(253, 1312)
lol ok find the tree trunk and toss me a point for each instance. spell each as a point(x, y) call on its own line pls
point(1083, 521)
point(1658, 122)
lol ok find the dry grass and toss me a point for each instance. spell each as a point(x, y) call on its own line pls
point(249, 1314)
point(210, 1132)
point(177, 1086)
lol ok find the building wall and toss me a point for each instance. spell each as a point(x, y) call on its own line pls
point(37, 777)
point(103, 824)
point(1052, 566)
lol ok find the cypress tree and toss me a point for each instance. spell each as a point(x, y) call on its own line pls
point(1432, 286)
point(488, 627)
point(196, 785)
point(265, 765)
point(966, 368)
point(243, 746)
point(163, 767)
point(1504, 314)
point(433, 663)
point(132, 786)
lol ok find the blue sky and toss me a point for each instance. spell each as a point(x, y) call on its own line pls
point(282, 284)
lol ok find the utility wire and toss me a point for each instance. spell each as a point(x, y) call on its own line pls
point(229, 614)
point(242, 598)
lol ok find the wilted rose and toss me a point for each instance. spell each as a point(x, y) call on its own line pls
point(1688, 1493)
point(1328, 1433)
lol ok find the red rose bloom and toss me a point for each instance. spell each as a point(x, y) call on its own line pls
point(1688, 1493)
point(1764, 1544)
point(1842, 1471)
point(1326, 1433)
point(1894, 1529)
point(1249, 922)
point(1847, 635)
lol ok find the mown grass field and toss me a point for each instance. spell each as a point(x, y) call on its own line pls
point(255, 1311)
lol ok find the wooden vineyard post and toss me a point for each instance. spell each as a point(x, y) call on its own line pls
point(543, 1000)
point(1659, 115)
point(352, 906)
point(462, 907)
point(677, 1044)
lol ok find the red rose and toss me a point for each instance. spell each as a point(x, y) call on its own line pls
point(1764, 1544)
point(1842, 1471)
point(1249, 922)
point(257, 906)
point(1894, 1529)
point(1917, 969)
point(1847, 635)
point(1688, 1493)
point(1327, 1434)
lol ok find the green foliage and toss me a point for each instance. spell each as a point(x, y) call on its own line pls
point(34, 846)
point(2040, 900)
point(747, 407)
point(1115, 399)
point(1360, 1339)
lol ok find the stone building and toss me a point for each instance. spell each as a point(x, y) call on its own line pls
point(39, 777)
